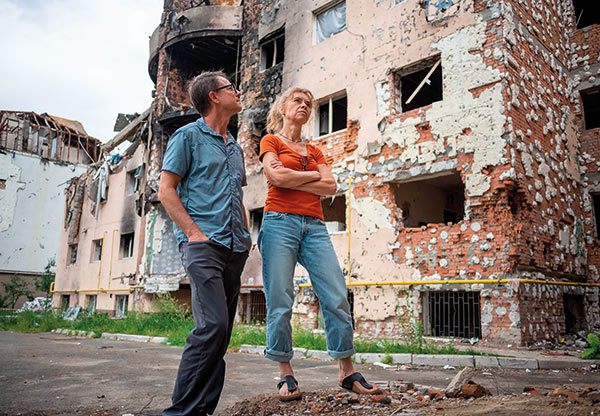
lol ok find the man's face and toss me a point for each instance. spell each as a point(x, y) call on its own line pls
point(227, 97)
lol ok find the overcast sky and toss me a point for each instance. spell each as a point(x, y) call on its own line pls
point(85, 60)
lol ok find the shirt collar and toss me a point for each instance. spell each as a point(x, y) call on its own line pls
point(208, 130)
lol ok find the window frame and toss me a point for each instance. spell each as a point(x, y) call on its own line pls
point(94, 244)
point(272, 38)
point(325, 9)
point(317, 117)
point(72, 259)
point(122, 246)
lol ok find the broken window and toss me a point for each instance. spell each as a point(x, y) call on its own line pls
point(65, 301)
point(254, 307)
point(574, 313)
point(452, 314)
point(271, 50)
point(256, 216)
point(72, 253)
point(591, 108)
point(596, 200)
point(91, 302)
point(330, 21)
point(332, 115)
point(126, 245)
point(121, 305)
point(133, 181)
point(438, 200)
point(419, 85)
point(334, 213)
point(585, 14)
point(97, 249)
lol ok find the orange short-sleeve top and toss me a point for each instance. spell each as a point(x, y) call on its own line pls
point(289, 200)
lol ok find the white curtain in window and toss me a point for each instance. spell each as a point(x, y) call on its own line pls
point(331, 21)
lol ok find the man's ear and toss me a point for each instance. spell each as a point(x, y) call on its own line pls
point(213, 97)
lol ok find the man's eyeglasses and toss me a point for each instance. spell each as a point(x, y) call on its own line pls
point(233, 88)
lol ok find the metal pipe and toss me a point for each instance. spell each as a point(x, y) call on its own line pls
point(469, 281)
point(349, 225)
point(112, 248)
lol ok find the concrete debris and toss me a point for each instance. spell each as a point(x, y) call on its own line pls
point(474, 390)
point(37, 304)
point(463, 376)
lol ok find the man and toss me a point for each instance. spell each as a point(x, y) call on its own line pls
point(201, 189)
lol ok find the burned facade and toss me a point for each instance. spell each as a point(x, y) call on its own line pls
point(39, 154)
point(463, 136)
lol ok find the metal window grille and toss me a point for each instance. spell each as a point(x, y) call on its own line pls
point(254, 308)
point(453, 314)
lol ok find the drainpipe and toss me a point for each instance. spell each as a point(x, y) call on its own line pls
point(469, 281)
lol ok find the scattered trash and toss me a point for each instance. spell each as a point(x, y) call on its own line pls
point(527, 370)
point(36, 305)
point(382, 365)
point(72, 313)
point(449, 367)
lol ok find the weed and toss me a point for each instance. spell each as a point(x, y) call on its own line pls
point(592, 353)
point(388, 359)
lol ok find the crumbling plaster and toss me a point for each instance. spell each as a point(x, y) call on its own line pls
point(29, 204)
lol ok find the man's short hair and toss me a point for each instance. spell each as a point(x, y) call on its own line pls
point(199, 88)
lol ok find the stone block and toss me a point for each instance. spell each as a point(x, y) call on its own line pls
point(319, 355)
point(506, 362)
point(484, 361)
point(442, 360)
point(252, 349)
point(546, 364)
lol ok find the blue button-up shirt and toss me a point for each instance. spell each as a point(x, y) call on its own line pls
point(212, 175)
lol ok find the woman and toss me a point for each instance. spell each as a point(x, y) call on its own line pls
point(293, 231)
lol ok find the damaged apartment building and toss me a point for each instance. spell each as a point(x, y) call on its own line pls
point(39, 154)
point(464, 135)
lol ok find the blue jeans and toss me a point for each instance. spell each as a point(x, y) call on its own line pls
point(287, 239)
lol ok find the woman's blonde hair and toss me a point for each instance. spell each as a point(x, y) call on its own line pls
point(275, 119)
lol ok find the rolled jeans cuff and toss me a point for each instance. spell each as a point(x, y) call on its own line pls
point(280, 357)
point(341, 354)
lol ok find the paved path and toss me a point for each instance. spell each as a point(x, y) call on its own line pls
point(56, 374)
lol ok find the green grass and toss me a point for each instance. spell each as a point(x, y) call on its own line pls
point(174, 322)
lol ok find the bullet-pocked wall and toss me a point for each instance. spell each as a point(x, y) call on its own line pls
point(476, 176)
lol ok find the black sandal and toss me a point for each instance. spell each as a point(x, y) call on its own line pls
point(348, 383)
point(292, 385)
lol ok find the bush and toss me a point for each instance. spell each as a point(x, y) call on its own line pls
point(592, 353)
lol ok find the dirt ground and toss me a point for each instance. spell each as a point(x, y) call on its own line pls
point(332, 402)
point(52, 375)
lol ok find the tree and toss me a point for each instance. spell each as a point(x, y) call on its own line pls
point(44, 281)
point(13, 290)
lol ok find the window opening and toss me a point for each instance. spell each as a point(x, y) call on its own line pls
point(574, 313)
point(133, 181)
point(330, 21)
point(272, 50)
point(127, 245)
point(65, 301)
point(91, 302)
point(334, 213)
point(591, 108)
point(256, 216)
point(72, 253)
point(259, 131)
point(596, 199)
point(438, 200)
point(121, 306)
point(584, 13)
point(97, 249)
point(254, 308)
point(453, 314)
point(332, 115)
point(420, 86)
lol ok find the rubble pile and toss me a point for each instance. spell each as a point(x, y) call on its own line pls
point(401, 397)
point(37, 304)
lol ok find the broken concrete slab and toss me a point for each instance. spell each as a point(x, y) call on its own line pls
point(464, 376)
point(506, 362)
